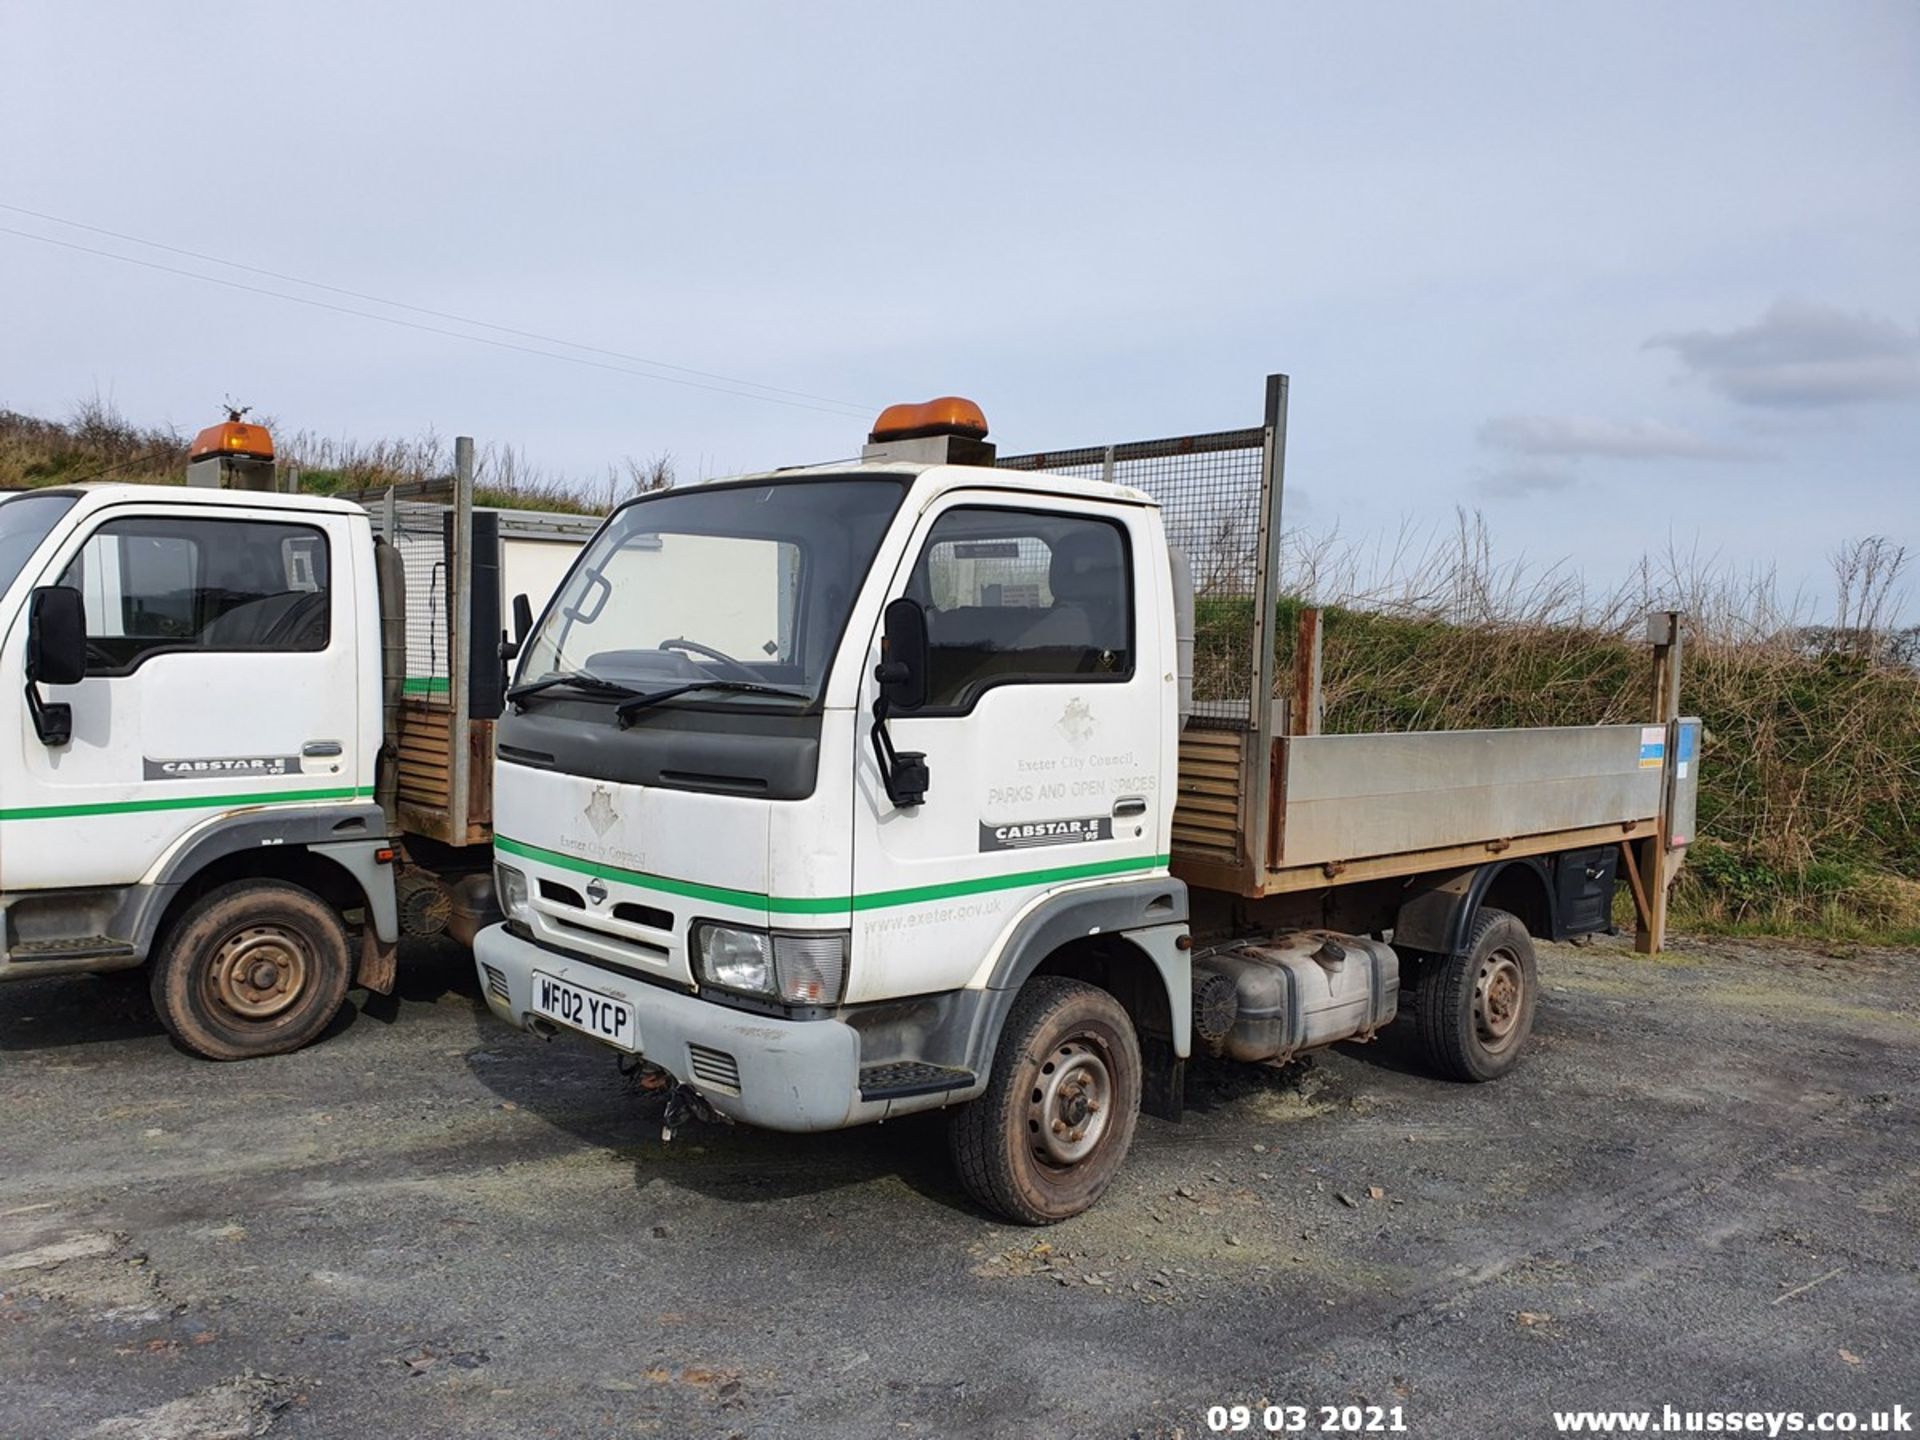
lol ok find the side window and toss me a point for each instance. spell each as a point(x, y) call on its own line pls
point(158, 584)
point(1022, 596)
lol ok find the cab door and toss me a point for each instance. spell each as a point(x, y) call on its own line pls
point(1045, 714)
point(221, 676)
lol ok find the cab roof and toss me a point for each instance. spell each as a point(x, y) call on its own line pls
point(111, 492)
point(949, 477)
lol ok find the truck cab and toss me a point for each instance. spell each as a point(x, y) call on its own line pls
point(249, 746)
point(706, 852)
point(200, 682)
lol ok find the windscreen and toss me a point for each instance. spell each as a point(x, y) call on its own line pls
point(741, 583)
point(24, 523)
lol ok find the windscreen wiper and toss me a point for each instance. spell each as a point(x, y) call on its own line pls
point(579, 680)
point(632, 706)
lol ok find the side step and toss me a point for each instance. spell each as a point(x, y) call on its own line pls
point(899, 1079)
point(72, 947)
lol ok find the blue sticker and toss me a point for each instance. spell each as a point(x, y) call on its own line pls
point(1653, 746)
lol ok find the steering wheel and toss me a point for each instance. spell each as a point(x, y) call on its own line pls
point(694, 647)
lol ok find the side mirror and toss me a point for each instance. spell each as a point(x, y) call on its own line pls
point(57, 655)
point(902, 671)
point(57, 636)
point(522, 624)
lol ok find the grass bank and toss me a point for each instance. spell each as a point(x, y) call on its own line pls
point(98, 443)
point(1811, 769)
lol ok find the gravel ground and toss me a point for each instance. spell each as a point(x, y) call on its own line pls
point(1700, 1190)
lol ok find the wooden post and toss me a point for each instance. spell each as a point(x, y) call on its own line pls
point(1307, 654)
point(1656, 857)
point(1258, 761)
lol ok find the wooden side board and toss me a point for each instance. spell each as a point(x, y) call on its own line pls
point(1208, 824)
point(426, 775)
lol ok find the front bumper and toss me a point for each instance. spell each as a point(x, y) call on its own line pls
point(795, 1075)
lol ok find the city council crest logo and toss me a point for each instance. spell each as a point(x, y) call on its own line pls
point(600, 812)
point(1076, 722)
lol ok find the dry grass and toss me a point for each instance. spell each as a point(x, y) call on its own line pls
point(95, 443)
point(98, 443)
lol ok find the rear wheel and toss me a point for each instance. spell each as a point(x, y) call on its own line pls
point(257, 967)
point(1476, 1010)
point(1058, 1116)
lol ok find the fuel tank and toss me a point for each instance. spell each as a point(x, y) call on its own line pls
point(1270, 998)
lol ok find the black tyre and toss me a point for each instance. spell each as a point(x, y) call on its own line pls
point(1051, 1131)
point(1475, 1011)
point(257, 967)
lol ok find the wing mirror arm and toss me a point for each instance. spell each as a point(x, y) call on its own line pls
point(522, 623)
point(52, 719)
point(902, 677)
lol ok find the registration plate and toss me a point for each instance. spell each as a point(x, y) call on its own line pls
point(587, 1011)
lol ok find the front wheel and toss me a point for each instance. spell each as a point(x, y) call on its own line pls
point(1476, 1009)
point(1051, 1131)
point(257, 967)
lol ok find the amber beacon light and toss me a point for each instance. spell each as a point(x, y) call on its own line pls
point(949, 415)
point(234, 438)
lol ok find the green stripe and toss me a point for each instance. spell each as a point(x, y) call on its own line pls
point(188, 802)
point(427, 685)
point(719, 894)
point(1058, 875)
point(830, 904)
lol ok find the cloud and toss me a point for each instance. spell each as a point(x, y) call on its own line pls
point(1802, 355)
point(1518, 482)
point(1570, 436)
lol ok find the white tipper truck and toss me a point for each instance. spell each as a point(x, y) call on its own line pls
point(249, 748)
point(844, 792)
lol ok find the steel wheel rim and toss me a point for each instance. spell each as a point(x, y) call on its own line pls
point(1499, 997)
point(1071, 1103)
point(259, 972)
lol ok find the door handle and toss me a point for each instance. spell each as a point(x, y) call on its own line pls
point(1129, 805)
point(322, 749)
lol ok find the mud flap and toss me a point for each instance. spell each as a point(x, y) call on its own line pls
point(379, 962)
point(1163, 1079)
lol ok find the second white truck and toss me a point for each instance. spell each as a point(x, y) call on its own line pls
point(249, 742)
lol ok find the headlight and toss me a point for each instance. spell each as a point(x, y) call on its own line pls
point(511, 887)
point(803, 969)
point(735, 959)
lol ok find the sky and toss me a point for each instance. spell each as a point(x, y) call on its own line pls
point(1623, 277)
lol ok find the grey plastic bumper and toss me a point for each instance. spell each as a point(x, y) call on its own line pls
point(795, 1075)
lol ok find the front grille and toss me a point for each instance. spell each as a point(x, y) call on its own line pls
point(714, 1067)
point(562, 894)
point(586, 926)
point(649, 915)
point(497, 985)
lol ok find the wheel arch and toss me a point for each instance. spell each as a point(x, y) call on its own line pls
point(1126, 938)
point(1437, 918)
point(329, 850)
